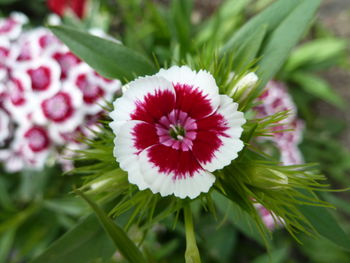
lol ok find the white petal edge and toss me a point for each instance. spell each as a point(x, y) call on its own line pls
point(228, 151)
point(126, 154)
point(165, 185)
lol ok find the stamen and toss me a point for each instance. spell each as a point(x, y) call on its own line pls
point(179, 137)
point(177, 132)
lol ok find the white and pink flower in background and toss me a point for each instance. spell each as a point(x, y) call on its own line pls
point(288, 135)
point(173, 130)
point(48, 96)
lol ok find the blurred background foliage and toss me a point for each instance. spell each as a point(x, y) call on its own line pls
point(38, 207)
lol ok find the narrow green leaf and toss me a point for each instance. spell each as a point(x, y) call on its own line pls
point(227, 17)
point(6, 242)
point(6, 203)
point(318, 88)
point(326, 225)
point(316, 52)
point(271, 16)
point(180, 12)
point(284, 38)
point(110, 59)
point(126, 247)
point(249, 50)
point(83, 244)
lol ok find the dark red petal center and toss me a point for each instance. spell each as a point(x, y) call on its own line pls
point(58, 108)
point(66, 60)
point(41, 78)
point(38, 139)
point(91, 91)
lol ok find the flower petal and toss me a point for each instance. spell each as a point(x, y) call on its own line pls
point(156, 91)
point(167, 183)
point(202, 80)
point(128, 148)
point(217, 142)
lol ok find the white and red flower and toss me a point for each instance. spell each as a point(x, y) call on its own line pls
point(11, 27)
point(94, 88)
point(173, 130)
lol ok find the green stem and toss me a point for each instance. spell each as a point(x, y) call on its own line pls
point(192, 253)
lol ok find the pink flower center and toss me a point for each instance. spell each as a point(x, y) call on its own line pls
point(177, 130)
point(58, 108)
point(41, 78)
point(91, 92)
point(38, 139)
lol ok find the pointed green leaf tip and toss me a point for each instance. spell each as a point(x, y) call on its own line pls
point(109, 58)
point(126, 247)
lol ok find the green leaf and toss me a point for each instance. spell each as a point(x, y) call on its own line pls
point(227, 17)
point(126, 247)
point(6, 242)
point(110, 59)
point(83, 244)
point(250, 48)
point(284, 38)
point(318, 88)
point(316, 52)
point(275, 256)
point(6, 203)
point(326, 225)
point(271, 16)
point(180, 13)
point(239, 218)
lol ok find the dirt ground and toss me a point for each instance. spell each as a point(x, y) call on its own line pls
point(335, 15)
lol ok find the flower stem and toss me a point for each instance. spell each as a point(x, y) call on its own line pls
point(192, 253)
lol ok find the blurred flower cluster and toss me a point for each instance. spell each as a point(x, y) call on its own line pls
point(288, 134)
point(48, 96)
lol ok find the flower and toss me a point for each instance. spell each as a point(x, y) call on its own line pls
point(244, 86)
point(173, 130)
point(61, 6)
point(11, 27)
point(288, 135)
point(270, 220)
